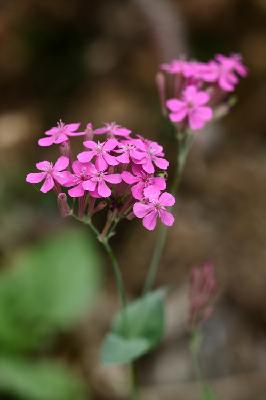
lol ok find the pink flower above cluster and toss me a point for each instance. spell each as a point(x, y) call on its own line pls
point(112, 129)
point(192, 106)
point(60, 134)
point(196, 89)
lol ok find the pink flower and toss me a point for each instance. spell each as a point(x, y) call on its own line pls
point(112, 129)
point(141, 180)
point(229, 69)
point(174, 67)
point(128, 151)
point(149, 153)
point(98, 179)
point(191, 107)
point(208, 72)
point(50, 173)
point(101, 151)
point(154, 207)
point(81, 174)
point(60, 134)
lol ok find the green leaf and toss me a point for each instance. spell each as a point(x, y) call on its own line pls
point(47, 290)
point(118, 350)
point(137, 329)
point(39, 380)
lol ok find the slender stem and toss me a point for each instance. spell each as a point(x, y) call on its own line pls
point(184, 142)
point(195, 347)
point(134, 395)
point(116, 269)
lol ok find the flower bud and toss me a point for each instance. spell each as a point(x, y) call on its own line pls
point(63, 206)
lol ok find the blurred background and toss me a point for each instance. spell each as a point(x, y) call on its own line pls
point(96, 61)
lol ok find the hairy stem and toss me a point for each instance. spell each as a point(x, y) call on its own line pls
point(184, 142)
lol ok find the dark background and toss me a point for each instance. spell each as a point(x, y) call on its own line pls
point(96, 61)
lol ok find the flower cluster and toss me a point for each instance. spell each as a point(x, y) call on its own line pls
point(116, 170)
point(198, 88)
point(202, 293)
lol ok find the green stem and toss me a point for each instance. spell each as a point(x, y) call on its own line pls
point(184, 142)
point(117, 273)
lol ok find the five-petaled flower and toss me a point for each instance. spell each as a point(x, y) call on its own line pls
point(140, 180)
point(50, 174)
point(60, 134)
point(149, 154)
point(192, 107)
point(154, 206)
point(97, 181)
point(112, 129)
point(101, 152)
point(229, 69)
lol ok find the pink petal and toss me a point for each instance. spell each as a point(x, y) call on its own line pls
point(85, 156)
point(159, 182)
point(100, 163)
point(201, 98)
point(123, 158)
point(77, 167)
point(48, 184)
point(110, 144)
point(179, 115)
point(113, 178)
point(44, 165)
point(53, 131)
point(72, 127)
point(161, 162)
point(89, 185)
point(166, 217)
point(199, 116)
point(149, 221)
point(111, 160)
point(166, 199)
point(61, 138)
point(90, 144)
point(62, 177)
point(137, 191)
point(190, 93)
point(61, 164)
point(121, 131)
point(101, 131)
point(76, 191)
point(175, 105)
point(138, 155)
point(129, 178)
point(103, 189)
point(35, 177)
point(45, 142)
point(148, 166)
point(140, 209)
point(151, 192)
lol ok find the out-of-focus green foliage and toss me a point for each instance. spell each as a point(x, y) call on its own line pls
point(48, 288)
point(135, 330)
point(45, 380)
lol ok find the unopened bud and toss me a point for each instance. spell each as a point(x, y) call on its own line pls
point(160, 82)
point(89, 131)
point(100, 207)
point(65, 149)
point(63, 206)
point(202, 294)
